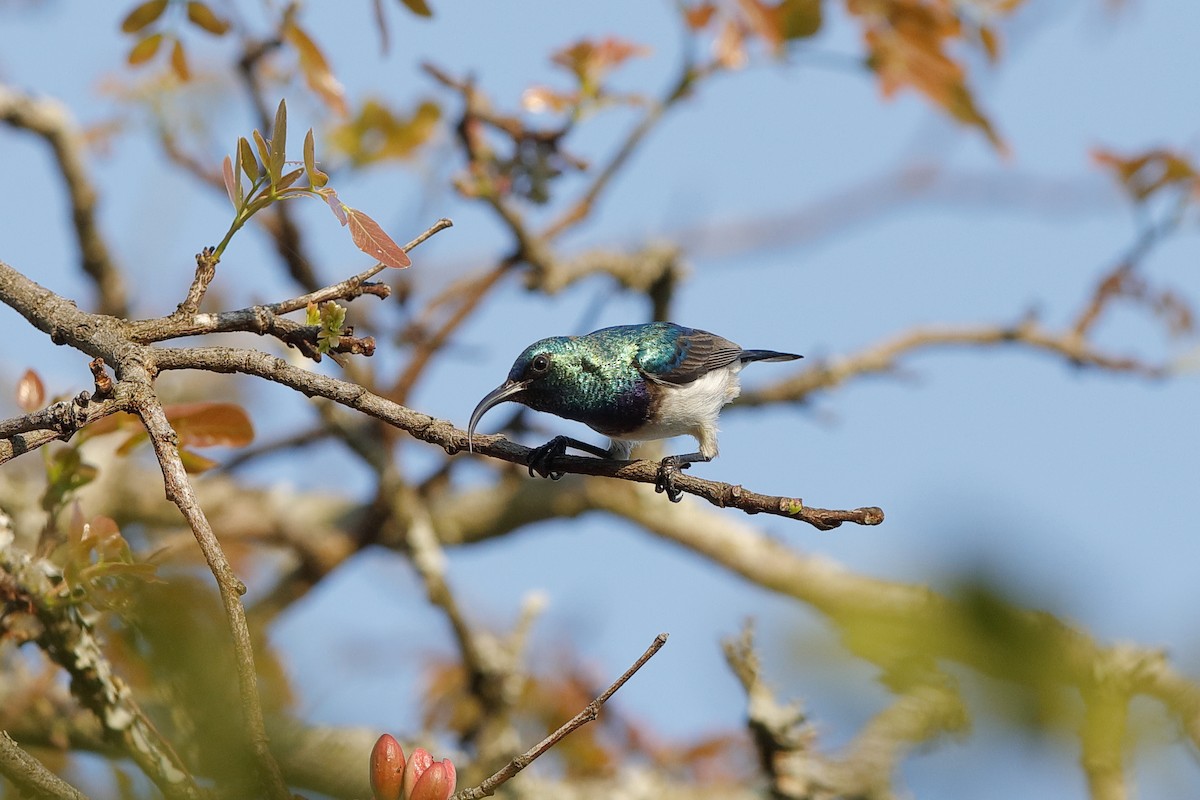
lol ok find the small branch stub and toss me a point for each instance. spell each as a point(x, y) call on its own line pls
point(104, 384)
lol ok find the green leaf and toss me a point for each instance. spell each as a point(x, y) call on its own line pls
point(195, 463)
point(310, 152)
point(312, 314)
point(264, 152)
point(246, 159)
point(144, 50)
point(799, 19)
point(418, 7)
point(316, 178)
point(278, 143)
point(203, 17)
point(65, 473)
point(143, 15)
point(333, 319)
point(179, 61)
point(316, 70)
point(287, 180)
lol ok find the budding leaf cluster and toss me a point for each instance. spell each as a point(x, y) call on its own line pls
point(256, 178)
point(330, 319)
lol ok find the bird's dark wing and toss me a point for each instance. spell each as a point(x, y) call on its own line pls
point(681, 355)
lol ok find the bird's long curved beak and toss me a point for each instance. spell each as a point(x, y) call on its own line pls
point(506, 391)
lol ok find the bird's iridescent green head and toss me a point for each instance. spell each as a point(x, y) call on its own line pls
point(537, 378)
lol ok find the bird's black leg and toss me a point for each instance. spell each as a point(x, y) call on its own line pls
point(541, 458)
point(671, 466)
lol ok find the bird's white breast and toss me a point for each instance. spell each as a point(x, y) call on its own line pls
point(692, 409)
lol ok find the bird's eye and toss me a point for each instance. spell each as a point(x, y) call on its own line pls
point(540, 363)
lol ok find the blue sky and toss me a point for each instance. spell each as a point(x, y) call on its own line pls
point(1074, 487)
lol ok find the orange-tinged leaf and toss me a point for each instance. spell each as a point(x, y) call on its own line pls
point(143, 15)
point(730, 46)
point(542, 99)
point(698, 17)
point(200, 15)
point(287, 180)
point(591, 61)
point(205, 424)
point(179, 61)
point(144, 50)
point(233, 186)
point(102, 531)
point(335, 205)
point(111, 424)
point(315, 68)
point(418, 7)
point(991, 43)
point(1146, 173)
point(909, 45)
point(761, 20)
point(372, 240)
point(31, 393)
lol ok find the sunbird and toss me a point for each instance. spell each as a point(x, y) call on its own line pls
point(632, 383)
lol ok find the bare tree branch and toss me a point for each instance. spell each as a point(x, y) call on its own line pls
point(885, 357)
point(894, 613)
point(30, 776)
point(58, 421)
point(179, 491)
point(489, 786)
point(453, 440)
point(51, 120)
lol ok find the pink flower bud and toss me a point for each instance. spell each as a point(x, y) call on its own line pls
point(387, 768)
point(417, 764)
point(436, 783)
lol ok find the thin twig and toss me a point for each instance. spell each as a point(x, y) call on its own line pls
point(430, 345)
point(583, 206)
point(884, 357)
point(266, 319)
point(61, 420)
point(179, 491)
point(346, 288)
point(1119, 280)
point(588, 714)
point(492, 667)
point(30, 776)
point(254, 452)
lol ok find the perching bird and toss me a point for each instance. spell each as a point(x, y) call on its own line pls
point(632, 383)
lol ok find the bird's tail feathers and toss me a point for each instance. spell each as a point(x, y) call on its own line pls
point(766, 355)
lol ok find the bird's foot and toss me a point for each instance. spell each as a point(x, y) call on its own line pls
point(540, 458)
point(668, 469)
